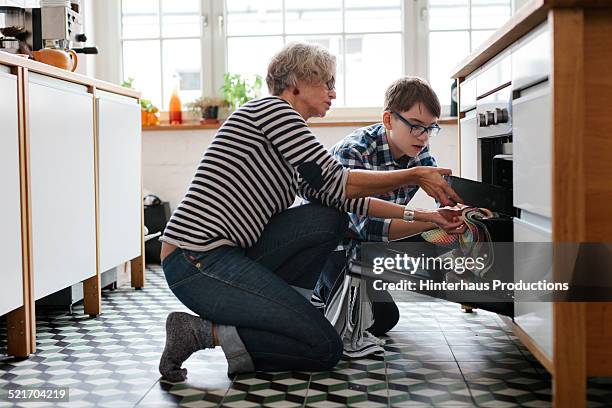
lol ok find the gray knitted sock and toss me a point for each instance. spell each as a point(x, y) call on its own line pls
point(185, 334)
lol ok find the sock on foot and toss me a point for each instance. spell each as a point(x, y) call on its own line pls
point(185, 334)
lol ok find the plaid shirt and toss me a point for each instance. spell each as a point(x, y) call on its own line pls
point(368, 148)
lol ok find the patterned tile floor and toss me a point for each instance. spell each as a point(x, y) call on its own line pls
point(437, 356)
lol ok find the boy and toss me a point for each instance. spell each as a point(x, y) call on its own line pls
point(401, 141)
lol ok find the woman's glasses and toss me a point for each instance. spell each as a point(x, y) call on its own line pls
point(418, 130)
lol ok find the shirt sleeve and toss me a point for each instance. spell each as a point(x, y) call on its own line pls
point(370, 228)
point(365, 227)
point(355, 205)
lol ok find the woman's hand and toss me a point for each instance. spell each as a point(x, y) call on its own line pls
point(431, 180)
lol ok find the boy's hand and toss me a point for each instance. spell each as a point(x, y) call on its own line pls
point(449, 219)
point(431, 180)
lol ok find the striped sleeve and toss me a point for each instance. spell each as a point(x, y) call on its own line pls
point(288, 133)
point(355, 205)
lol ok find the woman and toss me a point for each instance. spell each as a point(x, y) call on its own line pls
point(232, 249)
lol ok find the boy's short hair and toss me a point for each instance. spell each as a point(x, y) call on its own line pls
point(406, 92)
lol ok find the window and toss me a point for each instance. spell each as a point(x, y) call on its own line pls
point(192, 43)
point(365, 36)
point(162, 48)
point(456, 28)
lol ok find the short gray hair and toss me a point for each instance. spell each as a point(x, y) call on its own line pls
point(299, 62)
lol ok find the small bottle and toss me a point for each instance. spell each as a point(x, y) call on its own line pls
point(176, 108)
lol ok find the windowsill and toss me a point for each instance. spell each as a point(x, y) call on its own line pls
point(356, 123)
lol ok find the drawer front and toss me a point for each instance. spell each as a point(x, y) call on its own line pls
point(469, 148)
point(532, 146)
point(531, 59)
point(535, 318)
point(494, 75)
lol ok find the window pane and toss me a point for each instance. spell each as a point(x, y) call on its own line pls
point(248, 17)
point(141, 61)
point(183, 6)
point(490, 13)
point(181, 18)
point(181, 25)
point(140, 18)
point(365, 16)
point(478, 37)
point(313, 16)
point(182, 68)
point(334, 45)
point(449, 14)
point(367, 74)
point(251, 55)
point(446, 50)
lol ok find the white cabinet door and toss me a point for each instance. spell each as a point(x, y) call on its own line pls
point(469, 147)
point(11, 289)
point(532, 146)
point(62, 184)
point(119, 149)
point(533, 261)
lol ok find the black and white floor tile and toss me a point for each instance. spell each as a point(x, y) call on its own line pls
point(437, 356)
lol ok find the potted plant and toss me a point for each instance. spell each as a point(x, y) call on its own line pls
point(208, 108)
point(238, 91)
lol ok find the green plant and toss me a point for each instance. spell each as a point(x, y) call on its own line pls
point(202, 103)
point(238, 91)
point(147, 106)
point(128, 83)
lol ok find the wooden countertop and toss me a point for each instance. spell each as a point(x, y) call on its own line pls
point(11, 60)
point(525, 19)
point(334, 123)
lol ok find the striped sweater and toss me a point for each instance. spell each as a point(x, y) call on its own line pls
point(261, 157)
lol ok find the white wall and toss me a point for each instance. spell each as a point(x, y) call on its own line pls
point(171, 157)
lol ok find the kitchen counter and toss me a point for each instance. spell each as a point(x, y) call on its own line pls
point(11, 60)
point(523, 21)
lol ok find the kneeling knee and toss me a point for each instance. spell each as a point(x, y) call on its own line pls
point(333, 353)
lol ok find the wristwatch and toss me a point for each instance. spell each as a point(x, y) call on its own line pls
point(408, 214)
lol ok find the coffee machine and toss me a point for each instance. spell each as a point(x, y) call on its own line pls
point(36, 24)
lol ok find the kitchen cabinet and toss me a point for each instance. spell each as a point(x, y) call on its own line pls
point(11, 289)
point(119, 158)
point(532, 148)
point(533, 258)
point(71, 184)
point(61, 143)
point(469, 147)
point(560, 63)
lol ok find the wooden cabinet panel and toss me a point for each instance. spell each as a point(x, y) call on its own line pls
point(11, 289)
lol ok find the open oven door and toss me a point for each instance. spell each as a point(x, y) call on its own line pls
point(496, 199)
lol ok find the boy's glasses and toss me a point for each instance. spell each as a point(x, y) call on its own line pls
point(419, 130)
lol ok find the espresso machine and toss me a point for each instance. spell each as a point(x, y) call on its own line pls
point(32, 25)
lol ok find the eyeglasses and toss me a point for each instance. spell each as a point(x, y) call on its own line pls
point(331, 84)
point(419, 130)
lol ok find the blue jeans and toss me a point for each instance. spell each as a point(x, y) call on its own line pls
point(250, 290)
